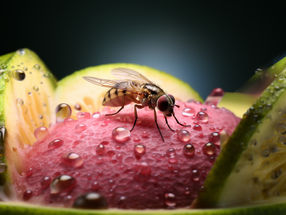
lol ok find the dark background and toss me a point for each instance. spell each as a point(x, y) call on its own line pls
point(207, 44)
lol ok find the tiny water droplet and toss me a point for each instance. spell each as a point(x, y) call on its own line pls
point(214, 137)
point(197, 127)
point(92, 200)
point(95, 186)
point(83, 115)
point(19, 75)
point(145, 134)
point(73, 160)
point(27, 195)
point(100, 149)
point(40, 132)
point(209, 149)
point(36, 88)
point(56, 143)
point(170, 200)
point(195, 175)
point(19, 101)
point(45, 182)
point(96, 115)
point(62, 183)
point(37, 67)
point(203, 117)
point(139, 150)
point(80, 128)
point(189, 150)
point(143, 169)
point(77, 106)
point(121, 135)
point(184, 136)
point(63, 111)
point(21, 51)
point(215, 96)
point(188, 112)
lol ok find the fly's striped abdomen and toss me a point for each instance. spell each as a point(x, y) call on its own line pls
point(117, 97)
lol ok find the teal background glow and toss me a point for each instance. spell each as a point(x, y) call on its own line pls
point(207, 44)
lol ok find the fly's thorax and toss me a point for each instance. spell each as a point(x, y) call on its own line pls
point(151, 93)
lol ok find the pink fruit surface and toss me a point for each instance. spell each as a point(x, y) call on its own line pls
point(97, 153)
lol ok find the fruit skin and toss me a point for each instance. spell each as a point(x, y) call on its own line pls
point(251, 123)
point(142, 181)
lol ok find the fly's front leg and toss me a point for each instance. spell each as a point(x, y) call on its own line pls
point(166, 120)
point(155, 118)
point(179, 122)
point(135, 114)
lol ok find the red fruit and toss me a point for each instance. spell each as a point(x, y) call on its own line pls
point(128, 170)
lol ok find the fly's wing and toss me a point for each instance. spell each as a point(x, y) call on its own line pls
point(128, 85)
point(131, 75)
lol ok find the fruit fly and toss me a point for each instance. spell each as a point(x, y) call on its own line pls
point(134, 87)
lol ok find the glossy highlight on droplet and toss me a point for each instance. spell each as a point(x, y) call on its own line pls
point(139, 150)
point(188, 112)
point(189, 150)
point(121, 135)
point(63, 111)
point(184, 135)
point(73, 159)
point(41, 132)
point(62, 183)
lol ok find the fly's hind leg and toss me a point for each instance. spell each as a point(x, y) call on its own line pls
point(135, 114)
point(120, 109)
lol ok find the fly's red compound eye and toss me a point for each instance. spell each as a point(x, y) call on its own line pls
point(163, 103)
point(172, 97)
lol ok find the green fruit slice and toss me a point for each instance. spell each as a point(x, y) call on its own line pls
point(26, 96)
point(77, 92)
point(251, 169)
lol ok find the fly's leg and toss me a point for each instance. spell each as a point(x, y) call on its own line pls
point(166, 120)
point(155, 118)
point(135, 114)
point(179, 122)
point(120, 109)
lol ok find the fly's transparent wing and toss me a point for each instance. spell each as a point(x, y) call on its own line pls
point(129, 74)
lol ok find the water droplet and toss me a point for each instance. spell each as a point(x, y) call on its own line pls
point(197, 127)
point(100, 149)
point(203, 117)
point(96, 115)
point(195, 175)
point(83, 115)
point(63, 111)
point(40, 132)
point(36, 88)
point(56, 143)
point(188, 112)
point(45, 182)
point(143, 169)
point(145, 134)
point(19, 75)
point(27, 195)
point(214, 137)
point(215, 96)
point(95, 186)
point(110, 153)
point(37, 67)
point(77, 106)
point(73, 160)
point(139, 150)
point(21, 51)
point(62, 183)
point(189, 150)
point(172, 160)
point(184, 136)
point(80, 128)
point(19, 101)
point(121, 135)
point(170, 200)
point(171, 153)
point(209, 149)
point(92, 200)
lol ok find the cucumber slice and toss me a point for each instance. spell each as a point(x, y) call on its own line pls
point(251, 168)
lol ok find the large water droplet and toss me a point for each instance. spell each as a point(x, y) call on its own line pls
point(73, 160)
point(41, 132)
point(203, 117)
point(188, 112)
point(214, 137)
point(121, 135)
point(91, 200)
point(139, 150)
point(56, 143)
point(170, 200)
point(189, 150)
point(19, 74)
point(63, 111)
point(184, 136)
point(27, 195)
point(62, 183)
point(209, 149)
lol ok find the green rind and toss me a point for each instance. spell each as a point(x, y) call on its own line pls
point(78, 75)
point(238, 142)
point(19, 209)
